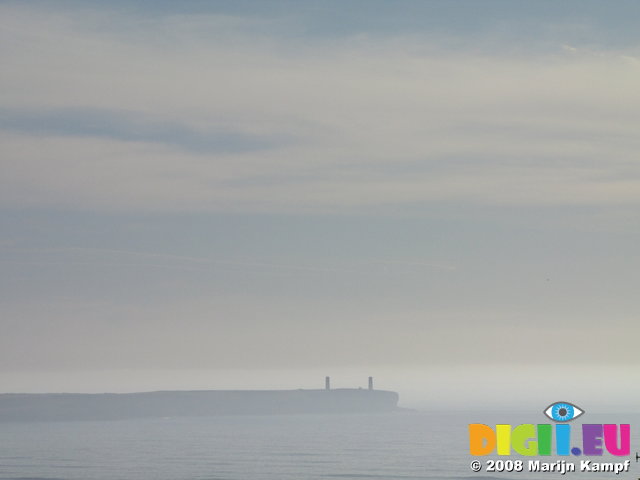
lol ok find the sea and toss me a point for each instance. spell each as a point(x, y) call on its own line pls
point(419, 445)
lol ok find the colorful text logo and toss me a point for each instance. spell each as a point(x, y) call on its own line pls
point(529, 439)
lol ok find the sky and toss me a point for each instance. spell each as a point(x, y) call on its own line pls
point(255, 194)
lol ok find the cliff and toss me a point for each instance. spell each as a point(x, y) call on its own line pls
point(112, 406)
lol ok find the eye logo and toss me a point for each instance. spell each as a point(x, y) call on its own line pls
point(531, 440)
point(563, 412)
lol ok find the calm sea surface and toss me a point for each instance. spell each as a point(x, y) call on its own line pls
point(385, 446)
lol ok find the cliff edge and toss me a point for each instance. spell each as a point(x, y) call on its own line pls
point(16, 407)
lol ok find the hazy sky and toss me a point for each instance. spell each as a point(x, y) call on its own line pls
point(258, 193)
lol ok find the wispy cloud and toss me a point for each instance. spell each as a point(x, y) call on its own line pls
point(126, 126)
point(226, 122)
point(103, 257)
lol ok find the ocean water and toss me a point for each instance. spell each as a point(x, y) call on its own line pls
point(383, 446)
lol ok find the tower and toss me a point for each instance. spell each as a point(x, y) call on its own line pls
point(370, 383)
point(327, 383)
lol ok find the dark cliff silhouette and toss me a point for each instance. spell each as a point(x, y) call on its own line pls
point(113, 406)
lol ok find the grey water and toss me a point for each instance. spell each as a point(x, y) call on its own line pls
point(372, 446)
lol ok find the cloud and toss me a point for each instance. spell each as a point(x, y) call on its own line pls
point(126, 126)
point(197, 113)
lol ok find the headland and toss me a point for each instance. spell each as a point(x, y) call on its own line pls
point(21, 407)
